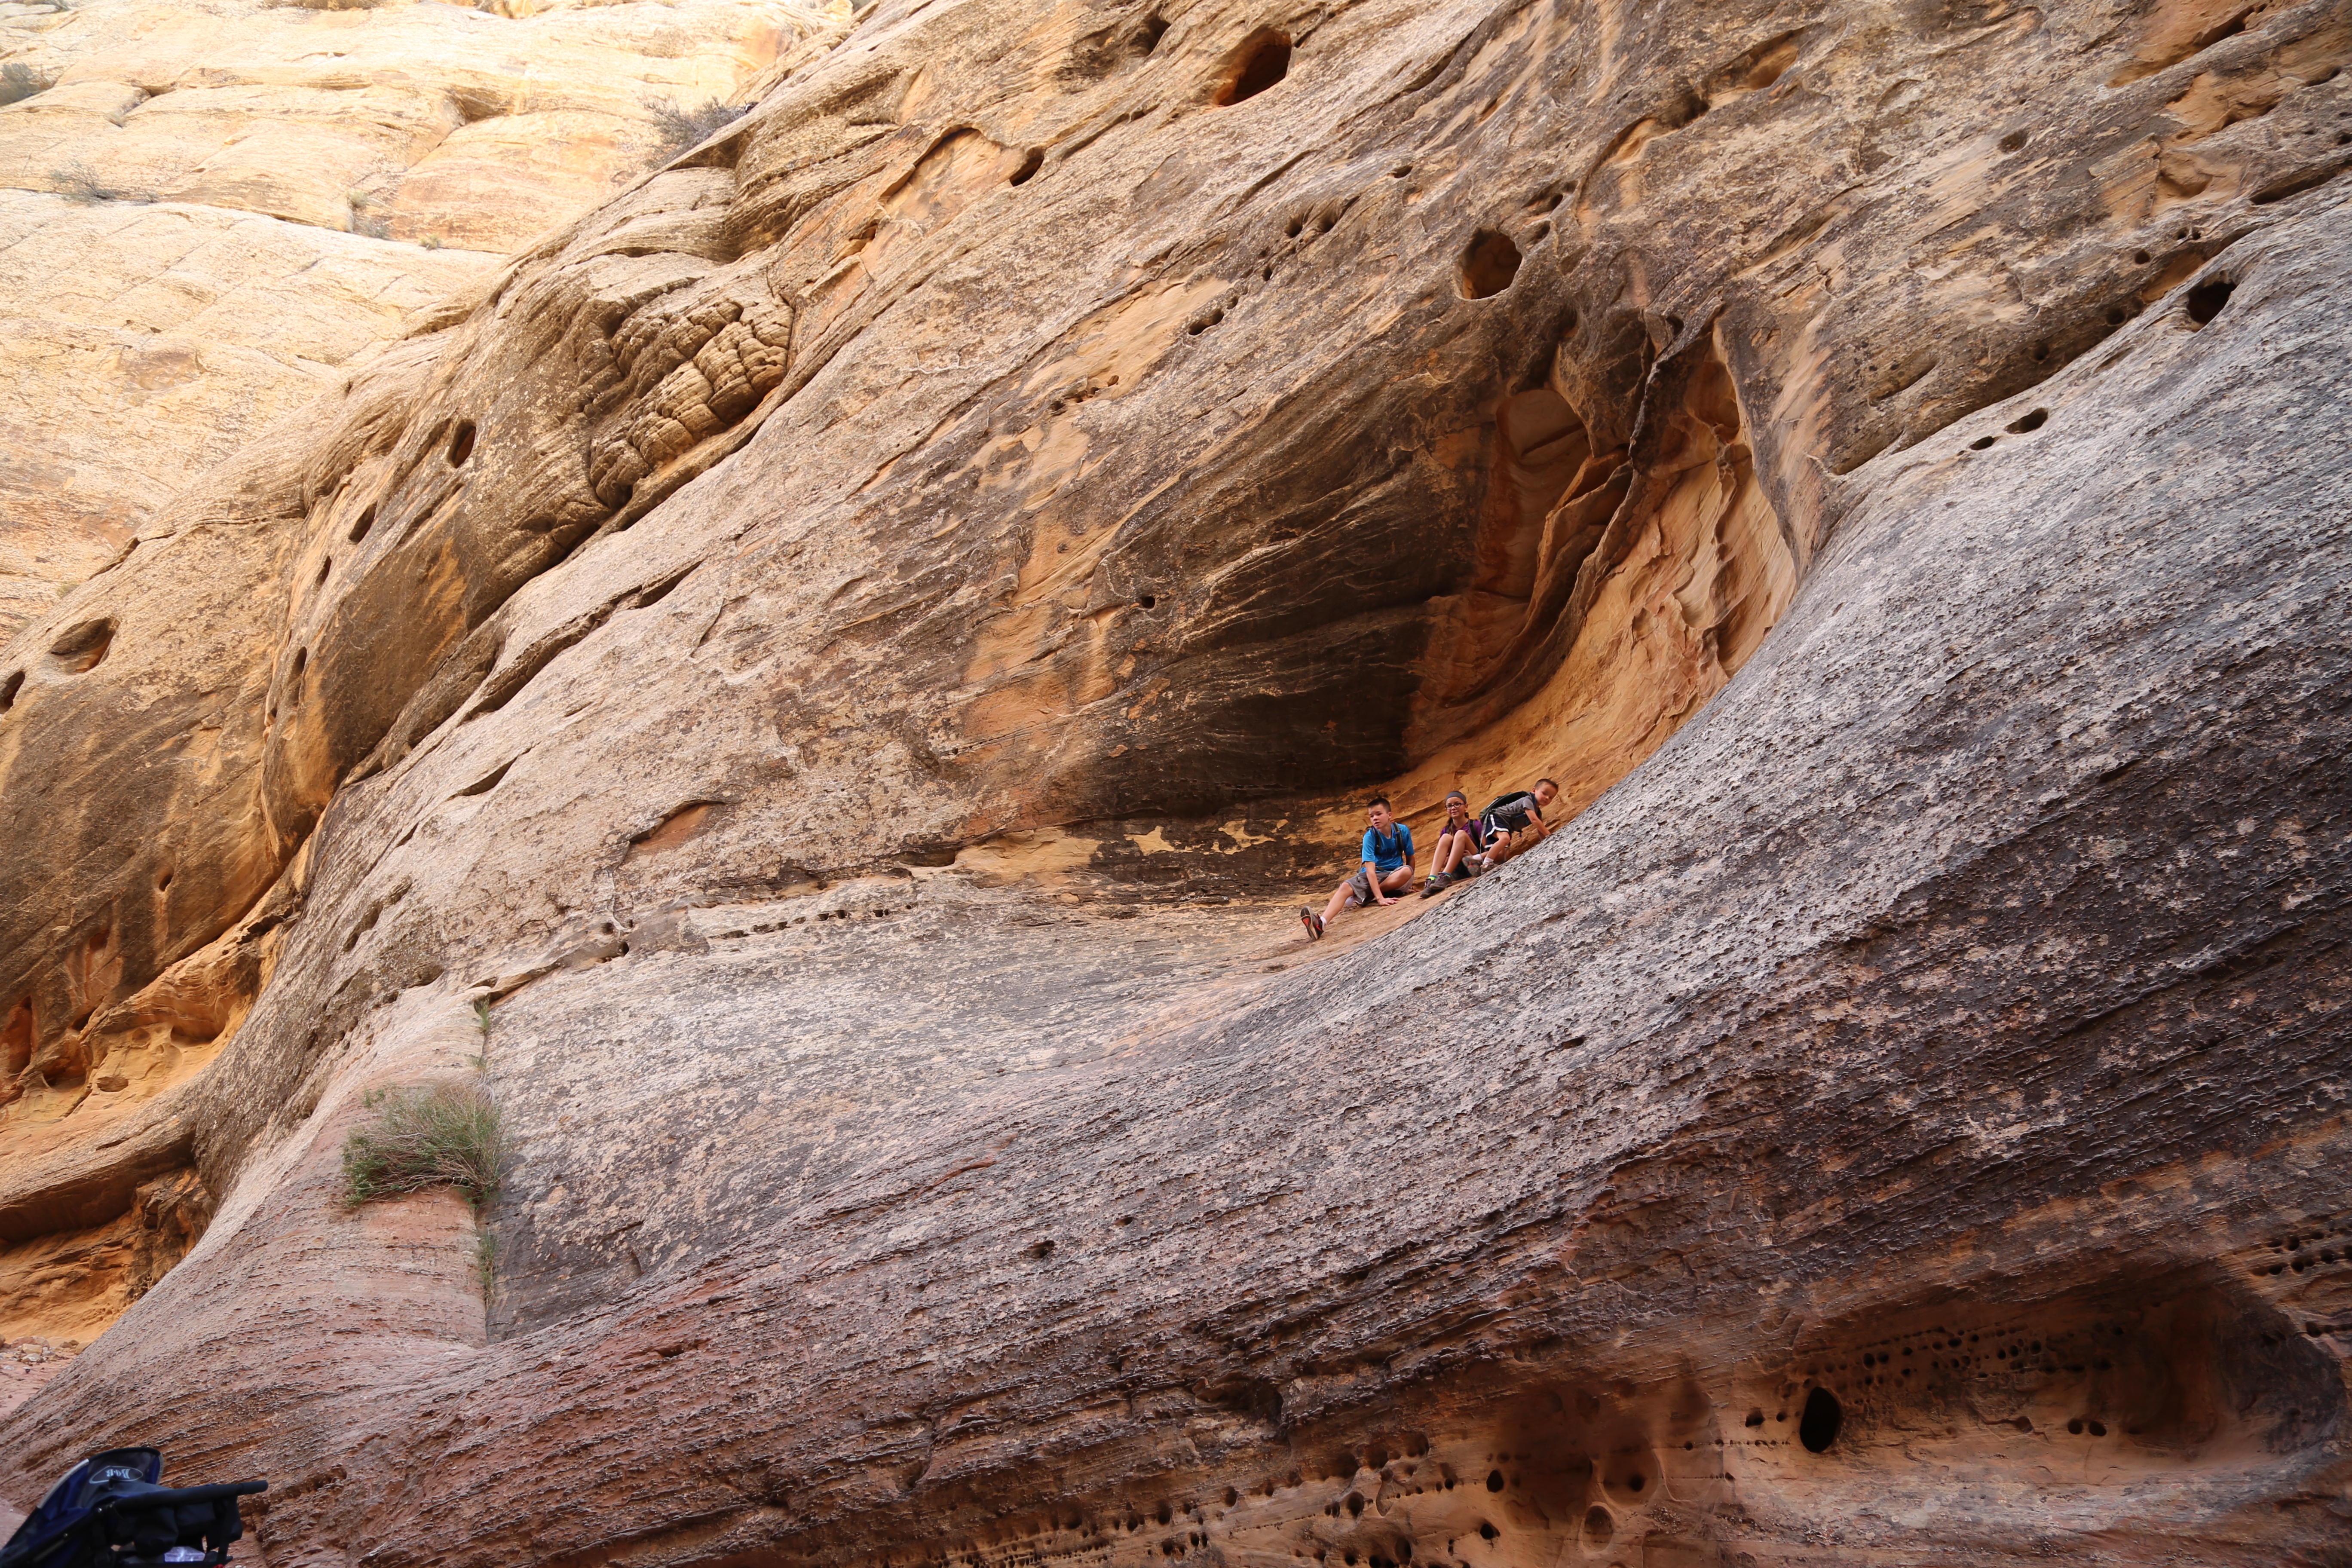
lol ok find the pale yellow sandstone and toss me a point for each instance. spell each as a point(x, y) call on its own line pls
point(235, 198)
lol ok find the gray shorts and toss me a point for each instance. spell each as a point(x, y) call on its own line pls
point(1361, 885)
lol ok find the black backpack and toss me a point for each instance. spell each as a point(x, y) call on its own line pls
point(1510, 821)
point(110, 1510)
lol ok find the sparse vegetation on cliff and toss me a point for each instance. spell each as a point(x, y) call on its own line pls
point(430, 1135)
point(19, 81)
point(78, 182)
point(681, 128)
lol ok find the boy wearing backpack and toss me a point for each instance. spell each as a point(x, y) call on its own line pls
point(1459, 841)
point(1515, 822)
point(1387, 868)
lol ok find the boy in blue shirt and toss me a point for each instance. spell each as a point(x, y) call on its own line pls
point(1388, 867)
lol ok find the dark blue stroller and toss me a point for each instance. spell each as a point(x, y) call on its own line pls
point(113, 1510)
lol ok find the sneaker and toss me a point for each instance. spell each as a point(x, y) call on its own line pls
point(1435, 885)
point(1313, 922)
point(1471, 865)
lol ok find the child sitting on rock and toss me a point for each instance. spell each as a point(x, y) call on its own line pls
point(1515, 823)
point(1387, 868)
point(1459, 842)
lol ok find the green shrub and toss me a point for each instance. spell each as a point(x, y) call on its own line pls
point(432, 1135)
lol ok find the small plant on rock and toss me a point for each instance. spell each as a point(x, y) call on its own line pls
point(78, 182)
point(19, 81)
point(429, 1135)
point(681, 128)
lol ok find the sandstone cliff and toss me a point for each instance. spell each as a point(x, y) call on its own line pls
point(849, 652)
point(206, 209)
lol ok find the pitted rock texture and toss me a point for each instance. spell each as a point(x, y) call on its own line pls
point(207, 209)
point(849, 653)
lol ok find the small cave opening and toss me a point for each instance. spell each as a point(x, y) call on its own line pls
point(1818, 1427)
point(85, 647)
point(1488, 264)
point(461, 443)
point(2029, 423)
point(1600, 1525)
point(1263, 60)
point(1146, 36)
point(2206, 299)
point(1029, 167)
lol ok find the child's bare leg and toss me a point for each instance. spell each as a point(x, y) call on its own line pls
point(1338, 902)
point(1451, 853)
point(1400, 879)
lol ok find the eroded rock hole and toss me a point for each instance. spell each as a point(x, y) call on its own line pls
point(2012, 142)
point(1981, 442)
point(294, 676)
point(1029, 167)
point(8, 689)
point(486, 783)
point(1818, 1427)
point(360, 529)
point(1487, 1532)
point(1494, 1480)
point(2205, 301)
point(1147, 36)
point(2033, 421)
point(1263, 60)
point(84, 647)
point(461, 443)
point(1489, 265)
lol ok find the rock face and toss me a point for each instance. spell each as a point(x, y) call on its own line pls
point(846, 653)
point(212, 207)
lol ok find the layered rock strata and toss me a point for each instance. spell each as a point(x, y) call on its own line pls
point(206, 210)
point(844, 652)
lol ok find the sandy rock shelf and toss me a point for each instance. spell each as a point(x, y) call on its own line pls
point(823, 684)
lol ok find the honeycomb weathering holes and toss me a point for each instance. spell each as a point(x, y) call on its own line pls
point(1263, 60)
point(1818, 1427)
point(1488, 264)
